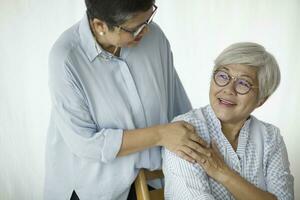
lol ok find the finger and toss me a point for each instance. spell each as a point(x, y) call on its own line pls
point(205, 163)
point(197, 157)
point(198, 139)
point(217, 151)
point(219, 157)
point(208, 161)
point(214, 145)
point(198, 148)
point(213, 161)
point(189, 126)
point(202, 162)
point(189, 152)
point(185, 156)
point(193, 154)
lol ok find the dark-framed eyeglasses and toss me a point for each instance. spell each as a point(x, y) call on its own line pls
point(141, 27)
point(223, 78)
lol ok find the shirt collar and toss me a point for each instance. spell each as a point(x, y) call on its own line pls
point(88, 41)
point(212, 117)
point(215, 124)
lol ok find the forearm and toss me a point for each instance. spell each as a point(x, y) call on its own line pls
point(242, 189)
point(179, 137)
point(138, 140)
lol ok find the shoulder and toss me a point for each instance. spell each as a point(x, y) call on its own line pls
point(196, 118)
point(63, 47)
point(190, 116)
point(156, 31)
point(269, 132)
point(157, 37)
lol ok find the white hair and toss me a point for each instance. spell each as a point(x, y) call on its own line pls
point(255, 55)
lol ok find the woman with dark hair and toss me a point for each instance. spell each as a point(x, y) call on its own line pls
point(114, 90)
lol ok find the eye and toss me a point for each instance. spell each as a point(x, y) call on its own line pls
point(221, 78)
point(222, 75)
point(243, 83)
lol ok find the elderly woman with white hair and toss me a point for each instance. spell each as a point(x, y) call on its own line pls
point(248, 158)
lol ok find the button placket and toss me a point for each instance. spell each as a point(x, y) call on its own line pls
point(135, 100)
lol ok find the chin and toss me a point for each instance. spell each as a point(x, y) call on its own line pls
point(131, 44)
point(222, 114)
point(224, 117)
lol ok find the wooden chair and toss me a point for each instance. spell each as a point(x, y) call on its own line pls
point(141, 187)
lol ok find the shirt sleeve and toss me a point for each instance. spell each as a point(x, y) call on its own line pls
point(184, 180)
point(72, 119)
point(178, 100)
point(280, 182)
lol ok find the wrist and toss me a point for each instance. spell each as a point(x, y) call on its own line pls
point(227, 176)
point(159, 135)
point(156, 134)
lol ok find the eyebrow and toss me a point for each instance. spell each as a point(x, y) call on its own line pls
point(136, 27)
point(243, 75)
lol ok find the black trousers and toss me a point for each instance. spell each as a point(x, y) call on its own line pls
point(131, 196)
point(74, 196)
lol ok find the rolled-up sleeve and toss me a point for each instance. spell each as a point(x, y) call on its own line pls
point(280, 182)
point(73, 119)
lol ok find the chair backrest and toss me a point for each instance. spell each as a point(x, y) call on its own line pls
point(141, 187)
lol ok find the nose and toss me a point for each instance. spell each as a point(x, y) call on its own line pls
point(144, 31)
point(230, 88)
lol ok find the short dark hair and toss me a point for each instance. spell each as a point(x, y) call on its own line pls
point(116, 12)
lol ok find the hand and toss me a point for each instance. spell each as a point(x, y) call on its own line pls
point(181, 138)
point(214, 165)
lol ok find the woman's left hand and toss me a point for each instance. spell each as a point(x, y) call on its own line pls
point(214, 165)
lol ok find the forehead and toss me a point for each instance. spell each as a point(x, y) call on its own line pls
point(241, 70)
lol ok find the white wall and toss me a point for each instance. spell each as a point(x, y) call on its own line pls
point(197, 29)
point(28, 28)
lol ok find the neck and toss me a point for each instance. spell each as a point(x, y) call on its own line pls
point(103, 43)
point(231, 130)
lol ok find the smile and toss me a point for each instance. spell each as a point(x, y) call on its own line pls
point(226, 102)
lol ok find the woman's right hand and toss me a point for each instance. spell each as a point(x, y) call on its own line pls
point(181, 138)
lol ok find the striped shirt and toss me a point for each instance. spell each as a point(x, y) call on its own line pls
point(261, 158)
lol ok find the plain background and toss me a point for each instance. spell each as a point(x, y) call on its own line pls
point(197, 29)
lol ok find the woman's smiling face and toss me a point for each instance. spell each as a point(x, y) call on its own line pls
point(230, 106)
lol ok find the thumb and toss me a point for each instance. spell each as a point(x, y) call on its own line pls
point(215, 147)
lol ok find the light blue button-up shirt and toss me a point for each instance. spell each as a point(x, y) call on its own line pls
point(261, 158)
point(95, 96)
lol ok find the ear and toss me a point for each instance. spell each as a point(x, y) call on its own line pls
point(261, 102)
point(100, 26)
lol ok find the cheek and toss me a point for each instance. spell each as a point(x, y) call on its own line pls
point(126, 41)
point(211, 93)
point(213, 90)
point(212, 96)
point(120, 40)
point(249, 103)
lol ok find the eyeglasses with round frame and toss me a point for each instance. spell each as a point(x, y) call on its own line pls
point(141, 27)
point(223, 78)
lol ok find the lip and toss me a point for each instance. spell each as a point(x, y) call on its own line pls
point(226, 102)
point(137, 39)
